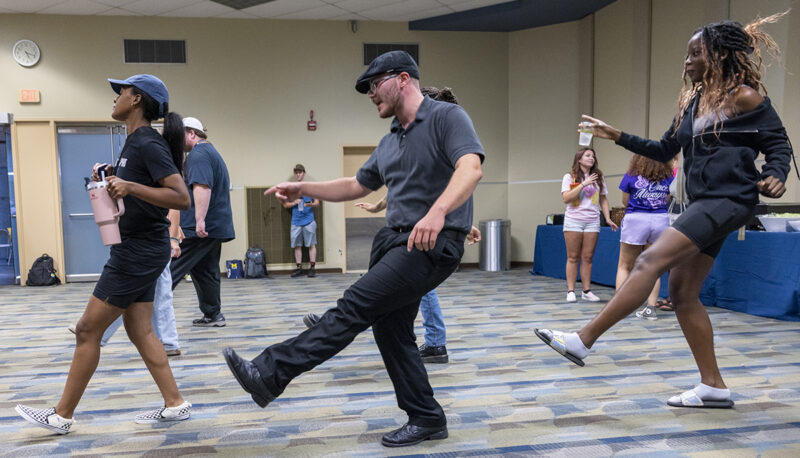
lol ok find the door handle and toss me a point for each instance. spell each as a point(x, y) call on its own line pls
point(81, 214)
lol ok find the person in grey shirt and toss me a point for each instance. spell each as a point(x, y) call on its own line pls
point(430, 161)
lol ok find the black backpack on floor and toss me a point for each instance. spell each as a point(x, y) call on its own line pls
point(42, 272)
point(255, 263)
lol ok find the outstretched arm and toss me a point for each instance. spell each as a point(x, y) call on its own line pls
point(465, 179)
point(338, 190)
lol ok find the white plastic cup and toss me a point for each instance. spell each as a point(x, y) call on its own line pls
point(585, 135)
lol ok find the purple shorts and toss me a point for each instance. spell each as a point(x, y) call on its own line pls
point(640, 228)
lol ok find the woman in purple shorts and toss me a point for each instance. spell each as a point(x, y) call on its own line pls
point(645, 191)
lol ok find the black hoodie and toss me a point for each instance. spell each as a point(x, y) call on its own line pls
point(721, 163)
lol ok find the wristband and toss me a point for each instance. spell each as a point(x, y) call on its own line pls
point(175, 239)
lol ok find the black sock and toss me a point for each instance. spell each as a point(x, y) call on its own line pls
point(586, 291)
point(299, 265)
point(570, 290)
point(313, 264)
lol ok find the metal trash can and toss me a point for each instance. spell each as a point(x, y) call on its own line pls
point(495, 254)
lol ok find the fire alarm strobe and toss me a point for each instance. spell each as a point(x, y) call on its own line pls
point(312, 125)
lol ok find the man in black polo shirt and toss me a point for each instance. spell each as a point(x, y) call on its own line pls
point(430, 161)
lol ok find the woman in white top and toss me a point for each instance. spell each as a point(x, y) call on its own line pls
point(584, 191)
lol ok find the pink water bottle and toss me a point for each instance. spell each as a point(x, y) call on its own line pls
point(106, 211)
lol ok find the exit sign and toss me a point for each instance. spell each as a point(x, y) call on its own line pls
point(29, 96)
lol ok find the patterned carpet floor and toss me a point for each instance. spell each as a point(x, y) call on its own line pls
point(504, 392)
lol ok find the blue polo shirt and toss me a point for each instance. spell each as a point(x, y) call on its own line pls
point(416, 164)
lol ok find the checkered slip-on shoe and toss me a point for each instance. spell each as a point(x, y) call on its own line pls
point(45, 418)
point(176, 413)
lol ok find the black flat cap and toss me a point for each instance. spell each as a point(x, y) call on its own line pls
point(390, 62)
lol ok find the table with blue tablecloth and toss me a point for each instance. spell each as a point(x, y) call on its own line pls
point(759, 275)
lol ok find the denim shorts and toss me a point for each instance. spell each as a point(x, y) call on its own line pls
point(641, 228)
point(570, 225)
point(707, 222)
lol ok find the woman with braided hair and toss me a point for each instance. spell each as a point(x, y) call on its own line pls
point(722, 124)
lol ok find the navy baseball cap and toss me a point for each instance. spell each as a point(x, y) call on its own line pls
point(389, 62)
point(150, 85)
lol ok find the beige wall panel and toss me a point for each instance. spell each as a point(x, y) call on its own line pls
point(253, 83)
point(38, 200)
point(621, 84)
point(544, 109)
point(352, 160)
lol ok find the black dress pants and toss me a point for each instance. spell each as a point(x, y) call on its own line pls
point(387, 298)
point(200, 257)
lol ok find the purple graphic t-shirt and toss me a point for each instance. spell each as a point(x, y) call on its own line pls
point(645, 196)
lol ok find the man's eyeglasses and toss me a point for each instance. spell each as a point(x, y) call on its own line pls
point(373, 85)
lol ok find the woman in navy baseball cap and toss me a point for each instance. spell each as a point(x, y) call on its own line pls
point(147, 176)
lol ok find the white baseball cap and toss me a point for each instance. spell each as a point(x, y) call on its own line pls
point(193, 123)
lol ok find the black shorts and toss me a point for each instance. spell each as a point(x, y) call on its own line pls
point(131, 272)
point(707, 222)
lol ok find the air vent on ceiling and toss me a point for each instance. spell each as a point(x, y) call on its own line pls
point(241, 4)
point(373, 50)
point(155, 51)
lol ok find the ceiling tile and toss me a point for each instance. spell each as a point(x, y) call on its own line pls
point(83, 7)
point(322, 12)
point(349, 17)
point(156, 7)
point(118, 12)
point(203, 9)
point(361, 5)
point(116, 3)
point(407, 11)
point(28, 6)
point(282, 7)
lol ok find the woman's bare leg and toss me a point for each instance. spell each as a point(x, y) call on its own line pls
point(138, 325)
point(574, 242)
point(685, 282)
point(587, 253)
point(671, 248)
point(90, 328)
point(627, 256)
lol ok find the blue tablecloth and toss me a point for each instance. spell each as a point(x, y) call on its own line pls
point(759, 275)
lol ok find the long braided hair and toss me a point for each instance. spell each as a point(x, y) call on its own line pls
point(733, 58)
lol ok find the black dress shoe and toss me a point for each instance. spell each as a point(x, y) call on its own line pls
point(311, 320)
point(410, 435)
point(249, 377)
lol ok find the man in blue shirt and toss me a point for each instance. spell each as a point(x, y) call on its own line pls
point(304, 229)
point(430, 161)
point(206, 225)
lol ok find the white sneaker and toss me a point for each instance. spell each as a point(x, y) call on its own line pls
point(571, 296)
point(45, 418)
point(176, 413)
point(647, 313)
point(589, 297)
